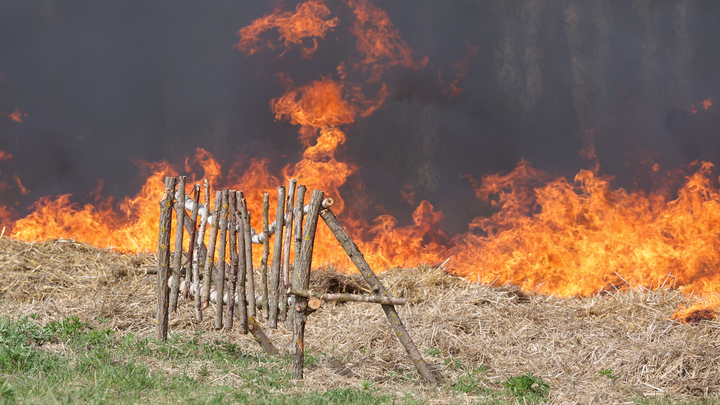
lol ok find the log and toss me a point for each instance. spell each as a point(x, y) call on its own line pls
point(163, 292)
point(377, 288)
point(242, 267)
point(265, 254)
point(313, 305)
point(198, 260)
point(277, 256)
point(344, 297)
point(220, 281)
point(193, 235)
point(301, 281)
point(285, 274)
point(233, 268)
point(177, 263)
point(248, 258)
point(261, 337)
point(207, 269)
point(298, 215)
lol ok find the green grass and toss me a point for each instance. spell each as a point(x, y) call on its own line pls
point(69, 362)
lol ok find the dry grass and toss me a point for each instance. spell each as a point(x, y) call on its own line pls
point(457, 325)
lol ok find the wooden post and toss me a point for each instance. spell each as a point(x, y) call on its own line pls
point(191, 276)
point(377, 288)
point(177, 263)
point(207, 270)
point(161, 325)
point(285, 279)
point(298, 216)
point(277, 256)
point(265, 254)
point(301, 281)
point(232, 273)
point(220, 281)
point(198, 260)
point(242, 314)
point(248, 260)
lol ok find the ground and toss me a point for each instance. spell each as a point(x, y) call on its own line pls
point(78, 326)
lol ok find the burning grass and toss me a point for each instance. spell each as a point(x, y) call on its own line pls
point(485, 342)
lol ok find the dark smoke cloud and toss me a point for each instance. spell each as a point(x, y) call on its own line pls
point(107, 82)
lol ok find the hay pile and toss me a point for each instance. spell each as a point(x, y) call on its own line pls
point(458, 326)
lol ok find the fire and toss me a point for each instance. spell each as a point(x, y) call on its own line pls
point(584, 238)
point(130, 226)
point(308, 21)
point(549, 235)
point(461, 67)
point(705, 103)
point(15, 115)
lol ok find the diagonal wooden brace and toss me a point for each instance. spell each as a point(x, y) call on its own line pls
point(395, 322)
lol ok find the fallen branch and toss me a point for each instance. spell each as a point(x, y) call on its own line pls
point(345, 297)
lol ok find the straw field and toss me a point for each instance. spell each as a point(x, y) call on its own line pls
point(613, 348)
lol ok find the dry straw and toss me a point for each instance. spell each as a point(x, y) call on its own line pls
point(567, 342)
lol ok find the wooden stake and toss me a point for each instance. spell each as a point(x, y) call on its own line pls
point(277, 256)
point(248, 260)
point(177, 263)
point(301, 281)
point(207, 270)
point(242, 314)
point(191, 243)
point(285, 279)
point(161, 325)
point(265, 254)
point(298, 216)
point(261, 337)
point(345, 297)
point(232, 273)
point(220, 281)
point(377, 288)
point(198, 260)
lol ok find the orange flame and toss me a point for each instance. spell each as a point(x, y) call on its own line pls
point(462, 67)
point(15, 115)
point(308, 21)
point(584, 238)
point(379, 41)
point(707, 103)
point(553, 236)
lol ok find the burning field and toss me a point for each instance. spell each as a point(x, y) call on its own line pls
point(616, 347)
point(542, 186)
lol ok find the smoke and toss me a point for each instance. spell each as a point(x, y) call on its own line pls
point(106, 83)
